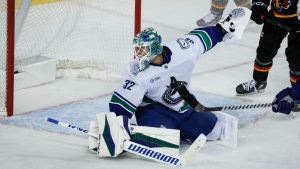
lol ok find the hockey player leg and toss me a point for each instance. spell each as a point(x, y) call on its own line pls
point(235, 24)
point(225, 130)
point(113, 132)
point(215, 14)
point(243, 3)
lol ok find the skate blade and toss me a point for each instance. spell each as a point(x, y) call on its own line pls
point(252, 93)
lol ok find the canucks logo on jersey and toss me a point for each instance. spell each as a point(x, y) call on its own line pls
point(168, 95)
point(183, 43)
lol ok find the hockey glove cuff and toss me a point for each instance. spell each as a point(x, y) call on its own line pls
point(284, 101)
point(259, 12)
point(282, 95)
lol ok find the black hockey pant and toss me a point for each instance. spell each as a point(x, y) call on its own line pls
point(269, 43)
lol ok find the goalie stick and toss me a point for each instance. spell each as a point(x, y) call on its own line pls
point(236, 107)
point(194, 103)
point(145, 151)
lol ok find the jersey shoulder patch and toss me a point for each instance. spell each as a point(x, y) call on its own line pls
point(184, 43)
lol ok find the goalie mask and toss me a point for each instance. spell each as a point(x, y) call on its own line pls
point(146, 45)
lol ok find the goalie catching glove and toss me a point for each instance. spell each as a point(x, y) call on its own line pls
point(235, 23)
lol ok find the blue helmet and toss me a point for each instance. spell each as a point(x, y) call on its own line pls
point(149, 41)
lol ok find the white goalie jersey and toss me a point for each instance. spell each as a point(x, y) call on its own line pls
point(153, 85)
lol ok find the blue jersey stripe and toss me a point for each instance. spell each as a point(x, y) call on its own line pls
point(125, 100)
point(120, 110)
point(209, 36)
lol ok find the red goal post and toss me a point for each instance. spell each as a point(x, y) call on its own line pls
point(77, 34)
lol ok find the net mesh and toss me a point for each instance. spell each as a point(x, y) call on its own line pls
point(80, 34)
point(88, 38)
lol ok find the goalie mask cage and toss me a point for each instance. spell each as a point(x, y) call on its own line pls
point(86, 35)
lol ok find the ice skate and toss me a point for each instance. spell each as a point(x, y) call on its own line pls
point(209, 20)
point(251, 87)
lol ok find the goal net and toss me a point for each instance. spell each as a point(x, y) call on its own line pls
point(86, 38)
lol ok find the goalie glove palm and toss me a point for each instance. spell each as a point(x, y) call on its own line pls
point(235, 23)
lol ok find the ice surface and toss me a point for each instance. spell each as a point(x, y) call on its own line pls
point(266, 140)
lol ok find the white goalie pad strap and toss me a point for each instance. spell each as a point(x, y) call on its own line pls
point(113, 131)
point(225, 130)
point(93, 142)
point(162, 139)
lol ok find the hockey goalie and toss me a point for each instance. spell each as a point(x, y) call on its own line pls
point(149, 93)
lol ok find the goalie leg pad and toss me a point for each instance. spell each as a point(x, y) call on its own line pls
point(162, 139)
point(113, 131)
point(159, 139)
point(225, 130)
